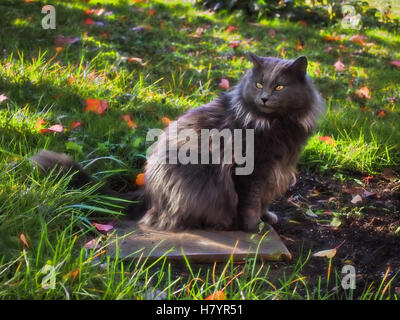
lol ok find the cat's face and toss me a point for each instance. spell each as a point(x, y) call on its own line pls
point(276, 86)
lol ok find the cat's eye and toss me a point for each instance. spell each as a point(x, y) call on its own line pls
point(279, 88)
point(259, 85)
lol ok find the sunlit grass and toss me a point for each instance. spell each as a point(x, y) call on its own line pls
point(182, 70)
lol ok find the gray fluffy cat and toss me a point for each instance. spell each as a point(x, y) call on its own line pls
point(277, 100)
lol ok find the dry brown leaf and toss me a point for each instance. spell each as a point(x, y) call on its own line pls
point(356, 199)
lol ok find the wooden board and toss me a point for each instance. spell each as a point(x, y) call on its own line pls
point(199, 246)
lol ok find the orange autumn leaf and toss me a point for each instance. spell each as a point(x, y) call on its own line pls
point(364, 93)
point(23, 240)
point(129, 121)
point(303, 23)
point(75, 124)
point(331, 38)
point(328, 38)
point(360, 39)
point(218, 295)
point(327, 140)
point(74, 273)
point(138, 60)
point(140, 179)
point(96, 105)
point(39, 123)
point(166, 121)
point(70, 80)
point(231, 28)
point(381, 113)
point(234, 44)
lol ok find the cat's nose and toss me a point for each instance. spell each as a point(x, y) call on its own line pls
point(264, 100)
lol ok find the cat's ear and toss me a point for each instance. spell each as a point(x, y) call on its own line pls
point(257, 60)
point(299, 67)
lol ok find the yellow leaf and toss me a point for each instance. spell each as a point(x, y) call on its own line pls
point(326, 253)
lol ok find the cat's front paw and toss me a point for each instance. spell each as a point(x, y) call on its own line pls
point(270, 217)
point(250, 220)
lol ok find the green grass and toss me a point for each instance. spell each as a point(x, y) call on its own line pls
point(182, 71)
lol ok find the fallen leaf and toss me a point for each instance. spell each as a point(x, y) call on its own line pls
point(199, 32)
point(368, 194)
point(367, 179)
point(272, 33)
point(327, 140)
point(3, 98)
point(140, 28)
point(129, 121)
point(75, 124)
point(299, 46)
point(23, 240)
point(61, 40)
point(140, 179)
point(356, 199)
point(336, 222)
point(339, 66)
point(166, 121)
point(93, 244)
point(381, 113)
point(330, 253)
point(310, 213)
point(218, 295)
point(364, 92)
point(331, 38)
point(358, 39)
point(96, 105)
point(139, 60)
point(303, 23)
point(39, 123)
point(224, 84)
point(70, 80)
point(74, 273)
point(395, 63)
point(103, 227)
point(97, 12)
point(54, 128)
point(231, 28)
point(234, 44)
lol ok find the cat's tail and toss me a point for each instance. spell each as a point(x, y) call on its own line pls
point(49, 161)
